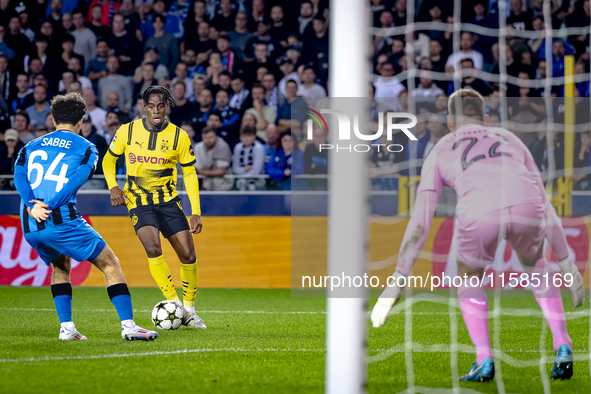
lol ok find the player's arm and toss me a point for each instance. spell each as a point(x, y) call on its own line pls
point(37, 209)
point(116, 149)
point(83, 173)
point(187, 162)
point(415, 236)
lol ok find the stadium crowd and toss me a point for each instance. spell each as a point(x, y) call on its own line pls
point(238, 69)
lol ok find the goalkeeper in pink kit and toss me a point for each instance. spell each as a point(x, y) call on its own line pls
point(500, 195)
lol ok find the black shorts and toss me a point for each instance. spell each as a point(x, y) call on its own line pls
point(169, 218)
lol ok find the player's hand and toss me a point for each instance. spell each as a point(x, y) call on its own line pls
point(195, 223)
point(117, 197)
point(39, 212)
point(387, 300)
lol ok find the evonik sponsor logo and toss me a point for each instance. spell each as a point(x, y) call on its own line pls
point(344, 130)
point(147, 159)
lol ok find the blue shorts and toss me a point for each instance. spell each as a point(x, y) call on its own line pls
point(75, 239)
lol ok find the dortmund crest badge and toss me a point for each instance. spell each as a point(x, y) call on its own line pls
point(164, 146)
point(134, 220)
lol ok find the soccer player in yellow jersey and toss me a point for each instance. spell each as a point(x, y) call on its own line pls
point(152, 147)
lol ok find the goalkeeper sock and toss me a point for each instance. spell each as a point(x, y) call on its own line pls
point(120, 297)
point(62, 297)
point(161, 274)
point(189, 277)
point(474, 307)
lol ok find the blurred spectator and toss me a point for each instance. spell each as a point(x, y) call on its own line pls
point(316, 160)
point(41, 44)
point(75, 66)
point(453, 61)
point(481, 18)
point(292, 106)
point(55, 47)
point(183, 108)
point(437, 130)
point(272, 138)
point(199, 116)
point(286, 160)
point(110, 8)
point(18, 41)
point(189, 58)
point(21, 124)
point(125, 46)
point(115, 83)
point(49, 123)
point(239, 36)
point(24, 95)
point(257, 14)
point(287, 68)
point(25, 25)
point(148, 79)
point(89, 131)
point(199, 83)
point(41, 107)
point(132, 18)
point(202, 44)
point(248, 159)
point(469, 79)
point(85, 38)
point(7, 80)
point(212, 160)
point(111, 131)
point(97, 114)
point(263, 113)
point(426, 87)
point(165, 43)
point(315, 50)
point(272, 95)
point(225, 18)
point(520, 20)
point(181, 72)
point(180, 8)
point(196, 16)
point(239, 93)
point(230, 116)
point(310, 89)
point(280, 29)
point(539, 148)
point(96, 25)
point(172, 24)
point(97, 67)
point(227, 56)
point(513, 67)
point(261, 36)
point(581, 17)
point(114, 106)
point(387, 87)
point(5, 50)
point(151, 56)
point(41, 131)
point(8, 154)
point(559, 50)
point(306, 15)
point(582, 162)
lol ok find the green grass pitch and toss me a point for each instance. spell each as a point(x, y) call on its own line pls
point(262, 341)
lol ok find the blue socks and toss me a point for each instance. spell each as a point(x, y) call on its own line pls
point(62, 297)
point(120, 297)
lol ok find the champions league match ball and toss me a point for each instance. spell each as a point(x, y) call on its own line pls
point(167, 315)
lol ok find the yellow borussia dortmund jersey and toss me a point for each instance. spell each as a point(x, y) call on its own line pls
point(150, 160)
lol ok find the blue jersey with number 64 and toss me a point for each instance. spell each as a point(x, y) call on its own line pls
point(51, 163)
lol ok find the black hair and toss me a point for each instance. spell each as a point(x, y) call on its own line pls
point(68, 109)
point(68, 37)
point(225, 72)
point(238, 76)
point(77, 11)
point(248, 130)
point(151, 64)
point(25, 115)
point(319, 17)
point(216, 113)
point(225, 37)
point(168, 99)
point(41, 38)
point(207, 129)
point(159, 16)
point(293, 81)
point(310, 68)
point(258, 85)
point(102, 39)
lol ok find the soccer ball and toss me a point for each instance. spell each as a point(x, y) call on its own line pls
point(167, 315)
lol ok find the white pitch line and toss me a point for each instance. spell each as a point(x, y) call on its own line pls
point(156, 353)
point(497, 341)
point(146, 310)
point(543, 358)
point(432, 390)
point(453, 335)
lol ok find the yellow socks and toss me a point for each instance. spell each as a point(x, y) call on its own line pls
point(161, 274)
point(189, 277)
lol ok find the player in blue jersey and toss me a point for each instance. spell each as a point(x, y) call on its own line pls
point(48, 173)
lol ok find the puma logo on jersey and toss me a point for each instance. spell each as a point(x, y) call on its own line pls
point(140, 144)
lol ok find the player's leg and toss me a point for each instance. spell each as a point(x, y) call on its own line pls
point(174, 226)
point(526, 237)
point(108, 264)
point(557, 240)
point(477, 240)
point(150, 238)
point(61, 290)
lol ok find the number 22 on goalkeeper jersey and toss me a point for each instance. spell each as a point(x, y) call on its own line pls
point(150, 159)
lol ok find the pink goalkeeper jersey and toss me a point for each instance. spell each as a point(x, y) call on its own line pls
point(488, 167)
